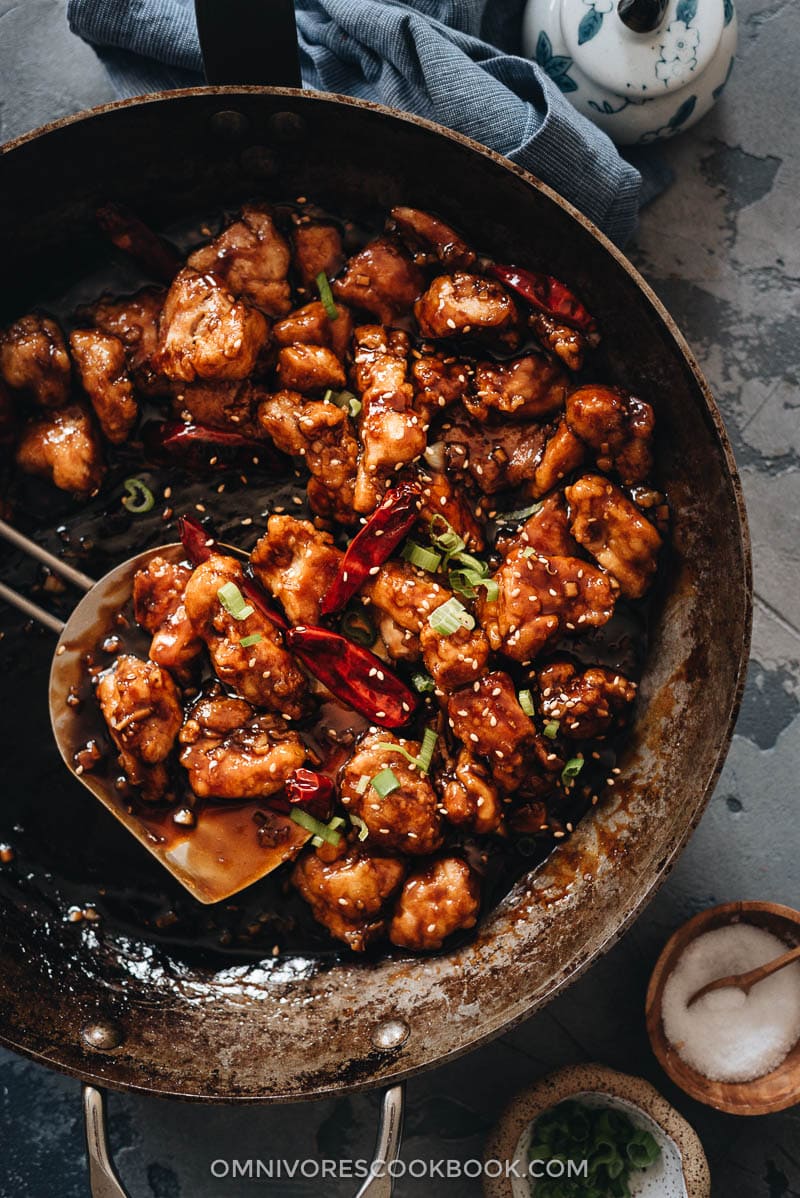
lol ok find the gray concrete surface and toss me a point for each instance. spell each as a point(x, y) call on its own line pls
point(722, 249)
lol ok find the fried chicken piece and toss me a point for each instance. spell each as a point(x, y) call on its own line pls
point(392, 433)
point(407, 819)
point(64, 447)
point(265, 674)
point(546, 531)
point(461, 304)
point(141, 706)
point(34, 359)
point(440, 498)
point(615, 532)
point(322, 434)
point(252, 257)
point(349, 896)
point(489, 721)
point(317, 250)
point(617, 426)
point(587, 703)
point(541, 598)
point(454, 660)
point(229, 404)
point(561, 455)
point(431, 240)
point(206, 333)
point(442, 898)
point(527, 388)
point(103, 369)
point(232, 753)
point(470, 795)
point(158, 605)
point(568, 344)
point(297, 563)
point(493, 457)
point(381, 279)
point(311, 325)
point(134, 319)
point(439, 380)
point(310, 369)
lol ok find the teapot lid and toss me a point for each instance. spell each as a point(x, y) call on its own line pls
point(642, 49)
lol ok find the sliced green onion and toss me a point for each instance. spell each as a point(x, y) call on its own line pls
point(362, 784)
point(526, 702)
point(140, 498)
point(232, 600)
point(448, 539)
point(425, 758)
point(326, 295)
point(521, 514)
point(358, 627)
point(253, 639)
point(343, 399)
point(528, 552)
point(324, 831)
point(572, 768)
point(551, 729)
point(358, 823)
point(418, 555)
point(385, 782)
point(449, 617)
point(422, 683)
point(464, 582)
point(492, 589)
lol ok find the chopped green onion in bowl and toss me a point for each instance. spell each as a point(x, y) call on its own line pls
point(385, 782)
point(326, 295)
point(604, 1143)
point(233, 601)
point(139, 498)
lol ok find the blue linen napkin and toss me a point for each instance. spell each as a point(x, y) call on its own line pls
point(451, 61)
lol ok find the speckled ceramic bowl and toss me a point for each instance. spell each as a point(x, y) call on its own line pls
point(682, 1171)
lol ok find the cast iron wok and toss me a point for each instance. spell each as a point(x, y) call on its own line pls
point(109, 1001)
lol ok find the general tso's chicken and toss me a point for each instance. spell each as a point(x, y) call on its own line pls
point(311, 325)
point(142, 709)
point(442, 898)
point(586, 703)
point(493, 457)
point(406, 819)
point(468, 305)
point(34, 360)
point(562, 454)
point(381, 279)
point(392, 432)
point(310, 369)
point(228, 404)
point(232, 753)
point(527, 388)
point(252, 257)
point(490, 723)
point(317, 250)
point(568, 345)
point(470, 795)
point(350, 896)
point(134, 319)
point(206, 333)
point(456, 659)
point(541, 598)
point(615, 532)
point(546, 531)
point(439, 380)
point(63, 447)
point(158, 605)
point(297, 563)
point(264, 673)
point(322, 434)
point(431, 240)
point(440, 498)
point(103, 369)
point(617, 426)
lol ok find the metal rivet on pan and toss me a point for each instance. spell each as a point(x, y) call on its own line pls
point(392, 1033)
point(259, 161)
point(287, 127)
point(101, 1035)
point(229, 124)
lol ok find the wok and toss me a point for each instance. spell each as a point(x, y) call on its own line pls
point(116, 1002)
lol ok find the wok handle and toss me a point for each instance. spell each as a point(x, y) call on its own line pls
point(104, 1182)
point(249, 42)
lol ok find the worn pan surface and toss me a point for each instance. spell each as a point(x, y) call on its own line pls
point(116, 1000)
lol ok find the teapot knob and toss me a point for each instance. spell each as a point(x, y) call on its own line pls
point(642, 16)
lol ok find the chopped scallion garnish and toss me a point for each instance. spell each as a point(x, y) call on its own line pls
point(572, 769)
point(360, 826)
point(233, 601)
point(140, 498)
point(362, 784)
point(526, 702)
point(358, 627)
point(448, 540)
point(551, 729)
point(326, 295)
point(325, 832)
point(422, 683)
point(449, 617)
point(385, 782)
point(344, 399)
point(521, 514)
point(418, 555)
point(425, 758)
point(253, 639)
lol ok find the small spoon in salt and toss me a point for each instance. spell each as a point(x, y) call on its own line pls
point(746, 981)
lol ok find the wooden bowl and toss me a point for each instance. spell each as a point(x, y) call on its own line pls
point(774, 1091)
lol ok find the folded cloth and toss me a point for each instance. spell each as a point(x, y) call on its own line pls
point(451, 61)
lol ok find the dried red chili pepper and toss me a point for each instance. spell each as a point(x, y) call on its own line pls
point(354, 675)
point(170, 440)
point(312, 792)
point(196, 540)
point(124, 228)
point(548, 295)
point(373, 544)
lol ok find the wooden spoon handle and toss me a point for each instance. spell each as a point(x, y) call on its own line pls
point(745, 981)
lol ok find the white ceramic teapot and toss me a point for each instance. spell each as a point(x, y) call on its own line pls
point(640, 69)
